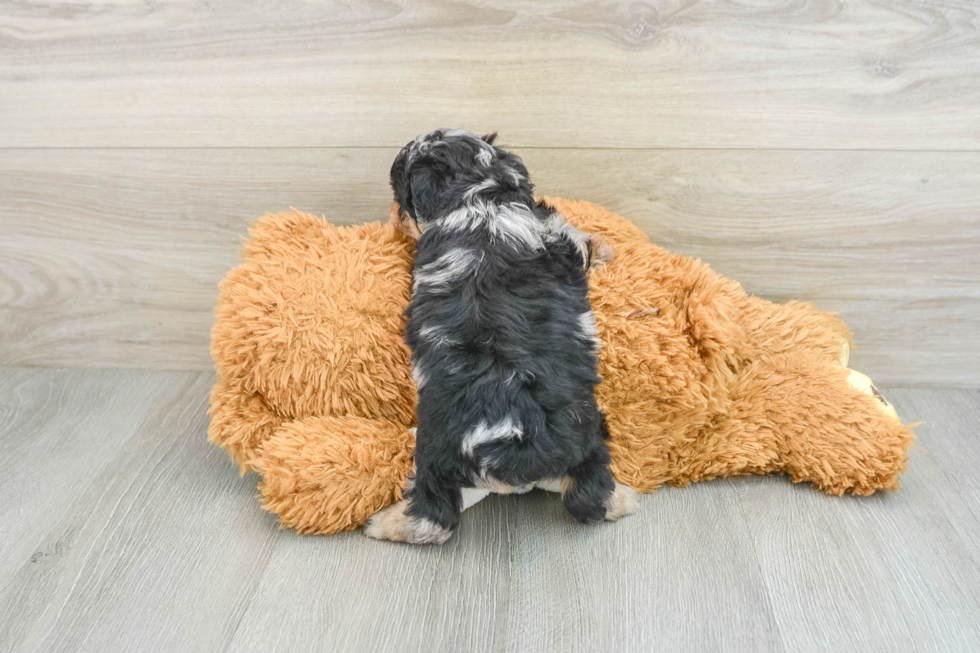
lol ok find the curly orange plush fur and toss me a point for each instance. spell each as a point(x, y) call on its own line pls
point(699, 380)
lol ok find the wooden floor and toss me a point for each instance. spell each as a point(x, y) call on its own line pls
point(820, 150)
point(122, 529)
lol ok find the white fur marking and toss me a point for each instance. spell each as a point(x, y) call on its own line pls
point(460, 219)
point(557, 227)
point(451, 266)
point(549, 484)
point(437, 336)
point(418, 376)
point(485, 156)
point(513, 223)
point(471, 216)
point(505, 429)
point(587, 322)
point(516, 222)
point(486, 184)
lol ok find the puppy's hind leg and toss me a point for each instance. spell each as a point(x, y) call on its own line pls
point(590, 493)
point(429, 515)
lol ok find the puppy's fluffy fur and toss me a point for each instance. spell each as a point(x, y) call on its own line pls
point(503, 340)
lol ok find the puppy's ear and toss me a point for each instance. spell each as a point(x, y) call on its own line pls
point(414, 185)
point(425, 192)
point(399, 178)
point(490, 138)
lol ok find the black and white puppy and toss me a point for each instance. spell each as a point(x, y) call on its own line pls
point(503, 341)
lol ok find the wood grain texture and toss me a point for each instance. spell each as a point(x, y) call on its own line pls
point(163, 547)
point(521, 575)
point(60, 431)
point(111, 257)
point(909, 560)
point(647, 582)
point(825, 74)
point(376, 597)
point(949, 451)
point(826, 150)
point(158, 550)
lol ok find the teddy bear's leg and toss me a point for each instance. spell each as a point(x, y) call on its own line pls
point(330, 474)
point(590, 493)
point(813, 423)
point(862, 383)
point(771, 330)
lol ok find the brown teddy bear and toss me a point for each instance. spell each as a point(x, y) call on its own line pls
point(699, 380)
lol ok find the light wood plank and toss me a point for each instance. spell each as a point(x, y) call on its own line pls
point(521, 575)
point(161, 551)
point(948, 450)
point(821, 74)
point(377, 596)
point(111, 257)
point(891, 572)
point(133, 244)
point(679, 575)
point(165, 548)
point(58, 432)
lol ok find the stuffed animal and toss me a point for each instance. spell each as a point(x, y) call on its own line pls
point(699, 380)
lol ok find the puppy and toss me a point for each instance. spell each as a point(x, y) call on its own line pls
point(503, 341)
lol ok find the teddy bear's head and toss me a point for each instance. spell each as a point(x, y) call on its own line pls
point(312, 321)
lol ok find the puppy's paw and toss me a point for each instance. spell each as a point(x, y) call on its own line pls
point(393, 523)
point(600, 253)
point(621, 502)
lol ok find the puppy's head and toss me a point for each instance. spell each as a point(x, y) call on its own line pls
point(437, 171)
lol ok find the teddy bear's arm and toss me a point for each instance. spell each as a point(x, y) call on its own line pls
point(240, 422)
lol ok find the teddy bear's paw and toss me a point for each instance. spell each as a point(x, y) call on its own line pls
point(621, 502)
point(863, 384)
point(600, 253)
point(393, 523)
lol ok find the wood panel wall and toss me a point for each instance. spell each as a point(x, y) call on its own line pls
point(824, 150)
